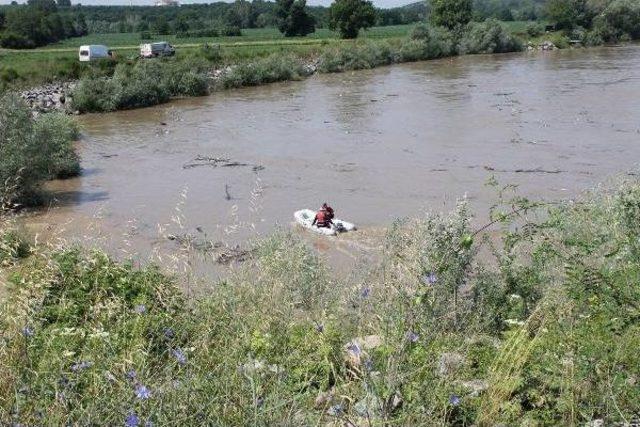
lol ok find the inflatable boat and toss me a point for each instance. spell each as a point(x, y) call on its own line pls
point(305, 218)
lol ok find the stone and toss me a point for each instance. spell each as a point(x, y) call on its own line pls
point(449, 363)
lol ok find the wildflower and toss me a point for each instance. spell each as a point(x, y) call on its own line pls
point(354, 348)
point(168, 333)
point(319, 328)
point(179, 355)
point(131, 374)
point(335, 410)
point(142, 392)
point(109, 377)
point(79, 366)
point(140, 309)
point(259, 401)
point(132, 420)
point(430, 279)
point(148, 423)
point(27, 332)
point(413, 337)
point(63, 381)
point(365, 292)
point(454, 400)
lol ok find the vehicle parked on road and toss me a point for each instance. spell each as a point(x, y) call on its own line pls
point(95, 51)
point(153, 50)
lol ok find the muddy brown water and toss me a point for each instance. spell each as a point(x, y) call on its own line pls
point(377, 145)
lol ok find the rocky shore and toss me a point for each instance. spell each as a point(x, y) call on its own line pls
point(50, 97)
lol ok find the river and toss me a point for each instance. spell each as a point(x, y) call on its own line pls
point(377, 145)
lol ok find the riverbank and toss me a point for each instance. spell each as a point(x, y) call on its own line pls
point(431, 335)
point(150, 82)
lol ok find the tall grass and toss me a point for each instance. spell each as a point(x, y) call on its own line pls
point(545, 333)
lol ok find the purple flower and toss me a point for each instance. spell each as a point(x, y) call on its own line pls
point(168, 333)
point(354, 348)
point(142, 392)
point(79, 366)
point(179, 355)
point(413, 337)
point(364, 293)
point(454, 400)
point(140, 309)
point(132, 420)
point(430, 279)
point(27, 331)
point(131, 374)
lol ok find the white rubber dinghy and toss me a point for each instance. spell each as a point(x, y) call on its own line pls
point(305, 218)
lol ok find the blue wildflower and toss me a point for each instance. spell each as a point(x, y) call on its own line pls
point(454, 400)
point(27, 331)
point(140, 309)
point(365, 292)
point(354, 348)
point(430, 279)
point(132, 375)
point(132, 420)
point(168, 333)
point(179, 355)
point(413, 337)
point(142, 392)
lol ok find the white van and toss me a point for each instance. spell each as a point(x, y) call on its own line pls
point(93, 52)
point(152, 50)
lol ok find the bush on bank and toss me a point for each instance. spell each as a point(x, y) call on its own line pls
point(488, 37)
point(141, 84)
point(433, 335)
point(33, 150)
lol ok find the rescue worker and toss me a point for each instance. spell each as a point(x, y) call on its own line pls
point(324, 217)
point(329, 211)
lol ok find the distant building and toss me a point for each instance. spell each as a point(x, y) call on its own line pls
point(167, 3)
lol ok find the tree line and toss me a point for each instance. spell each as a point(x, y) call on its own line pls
point(41, 22)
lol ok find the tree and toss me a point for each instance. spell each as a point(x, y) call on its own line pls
point(64, 3)
point(451, 13)
point(161, 26)
point(293, 19)
point(349, 16)
point(568, 14)
point(46, 6)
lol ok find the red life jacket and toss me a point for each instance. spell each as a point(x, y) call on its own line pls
point(321, 219)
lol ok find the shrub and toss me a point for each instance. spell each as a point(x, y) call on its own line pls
point(58, 132)
point(9, 75)
point(427, 43)
point(620, 20)
point(231, 31)
point(32, 150)
point(15, 41)
point(488, 37)
point(274, 68)
point(356, 57)
point(145, 83)
point(534, 29)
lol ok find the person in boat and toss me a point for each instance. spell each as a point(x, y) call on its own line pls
point(329, 210)
point(324, 217)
